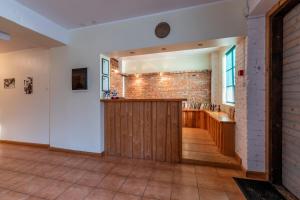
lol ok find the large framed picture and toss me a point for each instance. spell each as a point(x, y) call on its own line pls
point(105, 83)
point(105, 67)
point(79, 79)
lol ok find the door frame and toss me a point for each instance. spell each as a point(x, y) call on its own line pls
point(274, 62)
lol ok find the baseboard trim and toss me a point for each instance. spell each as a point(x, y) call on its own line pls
point(251, 174)
point(256, 175)
point(84, 153)
point(35, 145)
point(238, 158)
point(47, 146)
point(211, 164)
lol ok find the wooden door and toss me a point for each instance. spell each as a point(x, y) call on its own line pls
point(291, 102)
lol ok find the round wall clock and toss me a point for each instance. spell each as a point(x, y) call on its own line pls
point(162, 30)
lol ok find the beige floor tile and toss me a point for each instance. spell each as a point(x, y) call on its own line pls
point(158, 190)
point(16, 181)
point(10, 195)
point(42, 169)
point(184, 192)
point(122, 170)
point(100, 194)
point(34, 198)
point(112, 182)
point(235, 196)
point(33, 186)
point(75, 192)
point(53, 190)
point(206, 170)
point(140, 172)
point(134, 186)
point(72, 176)
point(162, 175)
point(210, 182)
point(190, 180)
point(57, 172)
point(207, 194)
point(122, 196)
point(91, 179)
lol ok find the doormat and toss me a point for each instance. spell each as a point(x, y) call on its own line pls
point(258, 190)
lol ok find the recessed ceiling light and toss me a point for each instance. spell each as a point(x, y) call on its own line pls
point(4, 36)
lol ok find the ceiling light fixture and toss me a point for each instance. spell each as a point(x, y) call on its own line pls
point(4, 36)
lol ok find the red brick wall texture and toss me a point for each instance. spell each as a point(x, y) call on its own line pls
point(116, 79)
point(195, 86)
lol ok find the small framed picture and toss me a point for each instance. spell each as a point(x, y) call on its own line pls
point(105, 83)
point(9, 83)
point(28, 85)
point(105, 66)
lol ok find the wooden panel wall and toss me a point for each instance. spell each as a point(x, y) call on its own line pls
point(291, 102)
point(144, 130)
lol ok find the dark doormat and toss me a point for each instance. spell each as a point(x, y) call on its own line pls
point(258, 190)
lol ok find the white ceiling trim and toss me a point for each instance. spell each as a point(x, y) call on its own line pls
point(26, 17)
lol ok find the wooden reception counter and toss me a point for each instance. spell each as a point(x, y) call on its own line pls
point(148, 129)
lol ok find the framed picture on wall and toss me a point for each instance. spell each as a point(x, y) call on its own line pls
point(28, 85)
point(105, 67)
point(79, 79)
point(9, 83)
point(105, 83)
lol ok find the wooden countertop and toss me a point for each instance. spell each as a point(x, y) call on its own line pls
point(220, 116)
point(140, 100)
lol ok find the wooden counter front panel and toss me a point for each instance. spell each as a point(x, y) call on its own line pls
point(194, 119)
point(143, 130)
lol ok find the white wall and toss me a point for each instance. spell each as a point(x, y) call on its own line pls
point(256, 92)
point(171, 63)
point(75, 117)
point(25, 117)
point(216, 78)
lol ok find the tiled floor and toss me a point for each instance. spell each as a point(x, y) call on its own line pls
point(28, 173)
point(198, 146)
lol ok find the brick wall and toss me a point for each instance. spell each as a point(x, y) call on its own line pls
point(190, 85)
point(116, 82)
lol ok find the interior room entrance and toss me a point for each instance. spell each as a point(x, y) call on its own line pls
point(203, 75)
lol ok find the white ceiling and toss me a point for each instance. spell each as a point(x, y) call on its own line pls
point(170, 55)
point(23, 38)
point(77, 13)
